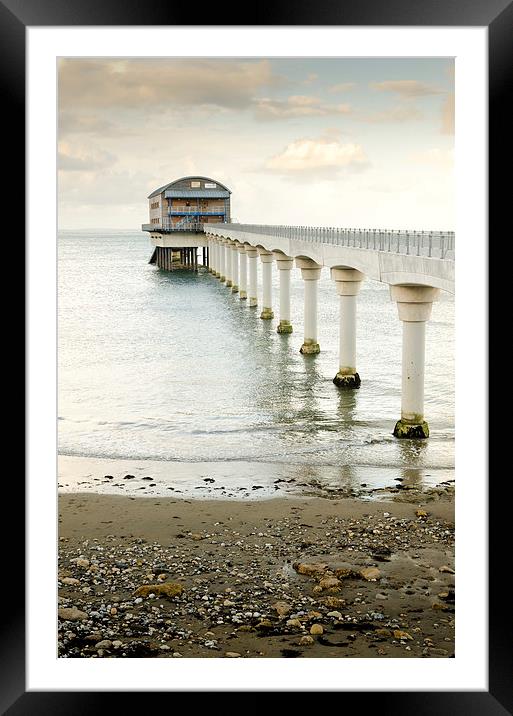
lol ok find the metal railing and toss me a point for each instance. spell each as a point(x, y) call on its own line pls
point(434, 244)
point(219, 210)
point(168, 226)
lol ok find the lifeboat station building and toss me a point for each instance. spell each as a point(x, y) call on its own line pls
point(178, 212)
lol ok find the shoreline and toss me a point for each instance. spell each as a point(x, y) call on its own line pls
point(307, 577)
point(242, 480)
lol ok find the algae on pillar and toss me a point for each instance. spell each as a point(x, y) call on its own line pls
point(284, 264)
point(414, 304)
point(310, 272)
point(348, 282)
point(266, 258)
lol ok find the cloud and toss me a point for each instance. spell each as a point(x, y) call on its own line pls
point(448, 114)
point(406, 89)
point(154, 84)
point(310, 78)
point(342, 87)
point(436, 157)
point(296, 106)
point(108, 188)
point(83, 124)
point(81, 161)
point(314, 156)
point(401, 113)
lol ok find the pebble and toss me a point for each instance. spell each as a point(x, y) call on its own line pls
point(399, 634)
point(168, 589)
point(71, 614)
point(70, 580)
point(281, 608)
point(306, 640)
point(105, 644)
point(258, 590)
point(329, 583)
point(370, 573)
point(293, 623)
point(232, 654)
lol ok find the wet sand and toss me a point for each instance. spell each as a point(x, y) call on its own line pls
point(240, 479)
point(293, 577)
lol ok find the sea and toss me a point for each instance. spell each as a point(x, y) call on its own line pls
point(171, 376)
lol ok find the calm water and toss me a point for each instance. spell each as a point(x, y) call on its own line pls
point(171, 366)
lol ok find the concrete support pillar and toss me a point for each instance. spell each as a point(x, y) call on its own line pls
point(218, 258)
point(214, 259)
point(235, 266)
point(252, 254)
point(414, 304)
point(227, 263)
point(284, 264)
point(243, 271)
point(311, 273)
point(222, 263)
point(348, 282)
point(266, 258)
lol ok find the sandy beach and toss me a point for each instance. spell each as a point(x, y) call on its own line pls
point(293, 577)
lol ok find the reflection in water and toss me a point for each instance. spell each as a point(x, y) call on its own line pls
point(173, 366)
point(411, 453)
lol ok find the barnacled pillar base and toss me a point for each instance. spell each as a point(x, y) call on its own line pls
point(411, 430)
point(347, 381)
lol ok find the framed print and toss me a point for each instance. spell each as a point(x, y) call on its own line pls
point(250, 405)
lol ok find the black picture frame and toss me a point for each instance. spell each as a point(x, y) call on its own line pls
point(497, 16)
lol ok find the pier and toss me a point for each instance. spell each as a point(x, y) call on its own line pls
point(416, 265)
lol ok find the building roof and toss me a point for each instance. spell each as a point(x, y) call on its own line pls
point(196, 194)
point(191, 178)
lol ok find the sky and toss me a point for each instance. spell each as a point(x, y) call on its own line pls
point(347, 142)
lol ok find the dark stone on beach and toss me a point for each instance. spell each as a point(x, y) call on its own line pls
point(109, 477)
point(257, 487)
point(148, 478)
point(128, 477)
point(208, 479)
point(291, 653)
